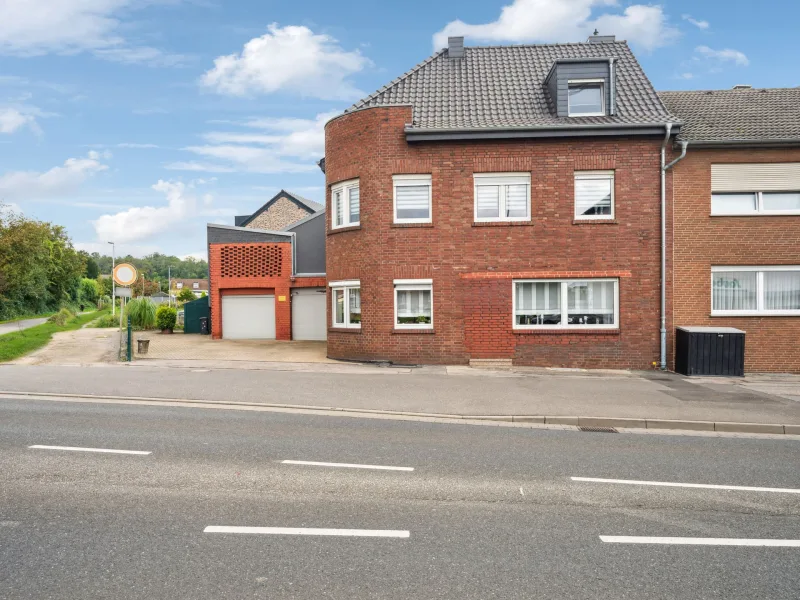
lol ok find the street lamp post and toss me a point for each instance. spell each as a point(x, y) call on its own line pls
point(113, 285)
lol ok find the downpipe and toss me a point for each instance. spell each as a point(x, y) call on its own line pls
point(664, 168)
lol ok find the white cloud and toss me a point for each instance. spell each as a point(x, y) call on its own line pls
point(525, 21)
point(697, 23)
point(288, 145)
point(725, 55)
point(291, 58)
point(32, 185)
point(12, 119)
point(134, 145)
point(37, 27)
point(143, 222)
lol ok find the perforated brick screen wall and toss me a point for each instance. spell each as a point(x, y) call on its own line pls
point(251, 261)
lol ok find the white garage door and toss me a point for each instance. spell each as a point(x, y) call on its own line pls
point(309, 317)
point(248, 317)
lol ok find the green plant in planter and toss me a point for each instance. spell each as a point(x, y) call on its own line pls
point(166, 317)
point(142, 312)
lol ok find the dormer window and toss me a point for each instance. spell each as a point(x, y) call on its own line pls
point(586, 98)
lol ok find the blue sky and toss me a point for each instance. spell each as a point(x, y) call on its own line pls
point(139, 121)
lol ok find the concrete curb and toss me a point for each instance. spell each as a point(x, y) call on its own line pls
point(626, 423)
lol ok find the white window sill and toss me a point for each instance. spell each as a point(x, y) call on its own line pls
point(754, 313)
point(404, 326)
point(509, 220)
point(412, 221)
point(346, 225)
point(598, 218)
point(777, 213)
point(594, 114)
point(345, 326)
point(566, 328)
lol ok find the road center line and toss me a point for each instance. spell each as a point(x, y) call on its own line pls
point(344, 465)
point(709, 486)
point(682, 541)
point(384, 533)
point(103, 450)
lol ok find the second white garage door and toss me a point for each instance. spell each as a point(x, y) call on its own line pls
point(309, 316)
point(248, 317)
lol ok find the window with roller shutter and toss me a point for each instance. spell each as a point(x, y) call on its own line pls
point(412, 199)
point(502, 197)
point(594, 195)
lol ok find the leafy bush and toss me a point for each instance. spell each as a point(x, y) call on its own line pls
point(186, 295)
point(166, 316)
point(142, 312)
point(89, 291)
point(106, 321)
point(61, 317)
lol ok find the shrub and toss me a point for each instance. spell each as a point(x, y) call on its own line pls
point(106, 321)
point(142, 312)
point(61, 317)
point(186, 295)
point(166, 316)
point(89, 291)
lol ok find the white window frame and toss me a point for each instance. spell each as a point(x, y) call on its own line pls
point(595, 175)
point(345, 187)
point(195, 286)
point(412, 285)
point(409, 180)
point(602, 83)
point(179, 285)
point(346, 286)
point(564, 304)
point(760, 311)
point(759, 210)
point(503, 180)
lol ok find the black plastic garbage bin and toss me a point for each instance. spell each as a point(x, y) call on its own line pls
point(709, 351)
point(204, 325)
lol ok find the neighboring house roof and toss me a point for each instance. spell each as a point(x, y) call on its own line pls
point(316, 215)
point(304, 203)
point(189, 283)
point(503, 87)
point(737, 116)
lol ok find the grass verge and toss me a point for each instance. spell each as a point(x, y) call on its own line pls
point(16, 344)
point(26, 317)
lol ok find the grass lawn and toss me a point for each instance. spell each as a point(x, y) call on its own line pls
point(16, 344)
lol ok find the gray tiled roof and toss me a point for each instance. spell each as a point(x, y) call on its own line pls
point(744, 115)
point(503, 87)
point(311, 204)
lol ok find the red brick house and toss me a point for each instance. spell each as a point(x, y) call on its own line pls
point(736, 203)
point(267, 284)
point(503, 204)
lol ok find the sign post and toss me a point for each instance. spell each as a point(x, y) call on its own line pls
point(124, 276)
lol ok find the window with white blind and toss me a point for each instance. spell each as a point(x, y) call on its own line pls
point(594, 195)
point(412, 198)
point(346, 296)
point(345, 204)
point(773, 290)
point(502, 197)
point(413, 303)
point(755, 203)
point(566, 304)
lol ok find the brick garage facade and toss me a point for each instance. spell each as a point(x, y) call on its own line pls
point(254, 269)
point(472, 264)
point(702, 241)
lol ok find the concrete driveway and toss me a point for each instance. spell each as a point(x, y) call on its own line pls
point(179, 346)
point(87, 346)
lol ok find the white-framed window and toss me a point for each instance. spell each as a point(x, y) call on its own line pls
point(346, 309)
point(586, 98)
point(412, 198)
point(594, 195)
point(195, 286)
point(179, 285)
point(755, 203)
point(345, 204)
point(413, 303)
point(743, 291)
point(502, 197)
point(566, 303)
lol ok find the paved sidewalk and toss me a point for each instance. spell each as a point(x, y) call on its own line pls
point(436, 390)
point(20, 325)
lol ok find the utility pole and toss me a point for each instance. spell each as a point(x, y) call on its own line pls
point(113, 285)
point(169, 285)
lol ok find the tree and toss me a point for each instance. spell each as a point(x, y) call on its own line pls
point(89, 291)
point(186, 295)
point(150, 287)
point(92, 270)
point(105, 284)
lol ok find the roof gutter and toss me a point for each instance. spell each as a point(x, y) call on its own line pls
point(746, 143)
point(415, 134)
point(664, 167)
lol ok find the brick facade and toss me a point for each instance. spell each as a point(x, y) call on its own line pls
point(771, 343)
point(253, 269)
point(472, 264)
point(281, 213)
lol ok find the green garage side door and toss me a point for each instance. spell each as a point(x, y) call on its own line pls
point(192, 313)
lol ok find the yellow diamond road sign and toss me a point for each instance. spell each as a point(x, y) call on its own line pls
point(124, 274)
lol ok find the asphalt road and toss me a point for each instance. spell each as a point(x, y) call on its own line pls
point(489, 512)
point(20, 325)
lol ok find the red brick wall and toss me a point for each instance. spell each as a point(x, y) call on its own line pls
point(771, 343)
point(279, 285)
point(472, 317)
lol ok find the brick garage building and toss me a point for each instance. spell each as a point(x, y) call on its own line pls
point(268, 284)
point(737, 219)
point(517, 221)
